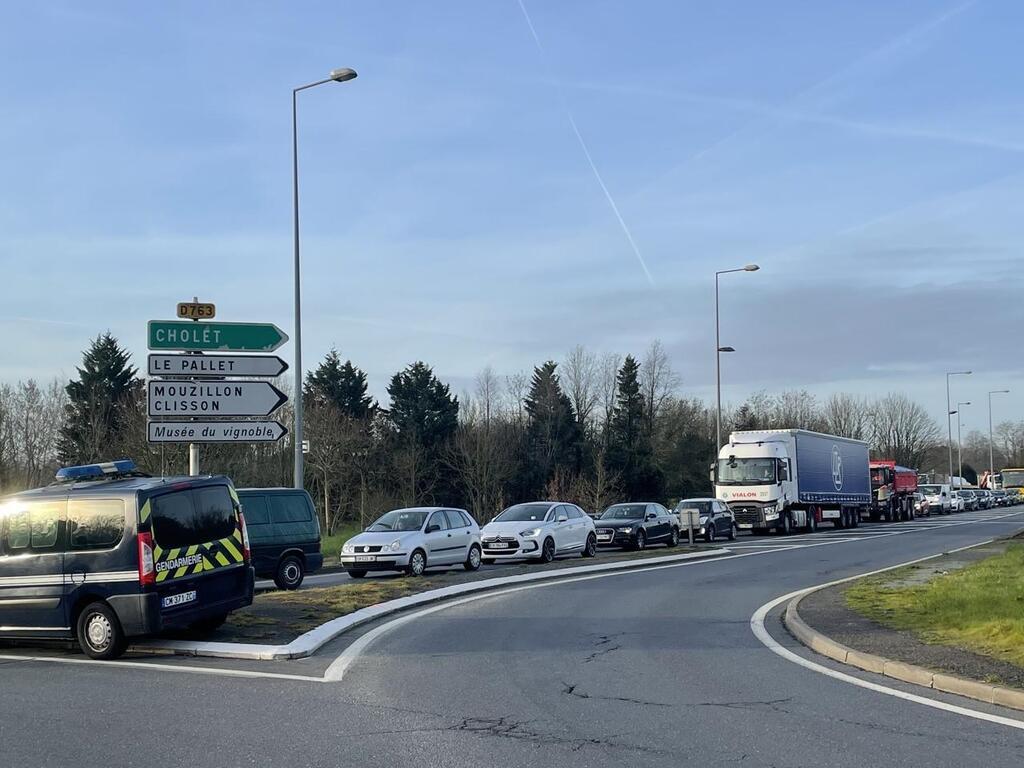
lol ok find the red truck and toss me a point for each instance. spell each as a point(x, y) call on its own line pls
point(892, 491)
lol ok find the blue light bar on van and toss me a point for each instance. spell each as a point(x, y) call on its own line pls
point(86, 471)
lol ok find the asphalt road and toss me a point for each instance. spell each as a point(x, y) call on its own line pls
point(651, 668)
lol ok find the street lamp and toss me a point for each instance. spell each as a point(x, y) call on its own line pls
point(959, 444)
point(949, 426)
point(341, 75)
point(991, 461)
point(719, 349)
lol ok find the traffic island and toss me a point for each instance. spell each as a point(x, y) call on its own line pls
point(953, 623)
point(287, 625)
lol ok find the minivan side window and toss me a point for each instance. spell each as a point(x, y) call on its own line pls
point(95, 523)
point(289, 508)
point(32, 526)
point(255, 510)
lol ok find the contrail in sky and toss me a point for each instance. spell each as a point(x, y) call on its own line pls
point(586, 150)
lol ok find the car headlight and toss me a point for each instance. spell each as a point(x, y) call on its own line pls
point(703, 519)
point(530, 533)
point(627, 529)
point(347, 549)
point(396, 545)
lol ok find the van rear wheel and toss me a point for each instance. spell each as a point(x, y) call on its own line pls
point(290, 573)
point(99, 632)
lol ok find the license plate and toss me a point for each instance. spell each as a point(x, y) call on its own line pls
point(183, 597)
point(604, 538)
point(498, 545)
point(366, 558)
point(744, 525)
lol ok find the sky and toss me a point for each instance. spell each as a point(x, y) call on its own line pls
point(505, 180)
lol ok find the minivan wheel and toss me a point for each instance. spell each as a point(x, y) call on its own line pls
point(417, 563)
point(590, 550)
point(290, 573)
point(473, 559)
point(99, 632)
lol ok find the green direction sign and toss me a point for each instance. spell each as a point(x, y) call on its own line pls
point(191, 336)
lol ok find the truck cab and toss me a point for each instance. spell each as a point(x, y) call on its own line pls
point(755, 480)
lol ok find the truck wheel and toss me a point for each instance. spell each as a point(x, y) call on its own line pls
point(785, 525)
point(812, 521)
point(840, 522)
point(855, 517)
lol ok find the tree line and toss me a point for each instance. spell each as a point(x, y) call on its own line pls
point(591, 429)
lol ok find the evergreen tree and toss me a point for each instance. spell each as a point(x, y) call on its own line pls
point(423, 409)
point(746, 419)
point(340, 384)
point(100, 403)
point(553, 434)
point(629, 445)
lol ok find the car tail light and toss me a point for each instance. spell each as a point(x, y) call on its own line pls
point(246, 554)
point(147, 568)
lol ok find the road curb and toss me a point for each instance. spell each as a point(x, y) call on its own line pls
point(310, 642)
point(898, 670)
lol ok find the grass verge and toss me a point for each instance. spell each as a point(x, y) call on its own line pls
point(979, 607)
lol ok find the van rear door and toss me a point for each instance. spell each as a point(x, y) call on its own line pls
point(198, 550)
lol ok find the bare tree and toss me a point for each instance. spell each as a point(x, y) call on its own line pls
point(488, 394)
point(607, 384)
point(903, 431)
point(1010, 437)
point(658, 381)
point(481, 456)
point(847, 416)
point(516, 387)
point(579, 375)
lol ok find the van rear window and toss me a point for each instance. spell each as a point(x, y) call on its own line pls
point(195, 516)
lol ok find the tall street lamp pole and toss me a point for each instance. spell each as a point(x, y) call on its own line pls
point(949, 425)
point(959, 443)
point(991, 460)
point(336, 76)
point(719, 349)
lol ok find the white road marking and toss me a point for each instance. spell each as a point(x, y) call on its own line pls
point(758, 628)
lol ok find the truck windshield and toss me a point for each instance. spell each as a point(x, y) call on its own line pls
point(735, 471)
point(1013, 478)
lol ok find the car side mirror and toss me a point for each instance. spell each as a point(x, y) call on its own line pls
point(651, 516)
point(562, 518)
point(433, 528)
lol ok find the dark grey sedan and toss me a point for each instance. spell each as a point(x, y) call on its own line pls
point(636, 526)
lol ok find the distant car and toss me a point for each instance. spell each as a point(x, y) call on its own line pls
point(984, 498)
point(636, 526)
point(716, 519)
point(936, 497)
point(539, 530)
point(284, 534)
point(412, 540)
point(1013, 496)
point(958, 501)
point(919, 504)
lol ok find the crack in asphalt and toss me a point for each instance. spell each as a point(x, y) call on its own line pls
point(773, 704)
point(570, 689)
point(507, 728)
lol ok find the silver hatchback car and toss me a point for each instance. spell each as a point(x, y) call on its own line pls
point(412, 540)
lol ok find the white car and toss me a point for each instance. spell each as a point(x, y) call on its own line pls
point(539, 530)
point(956, 502)
point(412, 540)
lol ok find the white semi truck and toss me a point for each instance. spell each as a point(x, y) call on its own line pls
point(782, 479)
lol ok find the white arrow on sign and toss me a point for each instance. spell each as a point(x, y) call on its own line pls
point(213, 398)
point(216, 365)
point(216, 431)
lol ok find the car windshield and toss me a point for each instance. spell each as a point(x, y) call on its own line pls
point(930, 490)
point(704, 507)
point(624, 512)
point(523, 513)
point(400, 520)
point(735, 471)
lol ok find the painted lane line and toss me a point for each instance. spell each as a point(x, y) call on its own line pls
point(757, 626)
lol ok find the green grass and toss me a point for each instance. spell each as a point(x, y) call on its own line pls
point(979, 607)
point(331, 545)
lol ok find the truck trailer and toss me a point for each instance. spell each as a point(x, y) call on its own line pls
point(781, 479)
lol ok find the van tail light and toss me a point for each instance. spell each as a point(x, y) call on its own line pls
point(147, 568)
point(246, 554)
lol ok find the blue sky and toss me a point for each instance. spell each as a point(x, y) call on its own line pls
point(868, 155)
